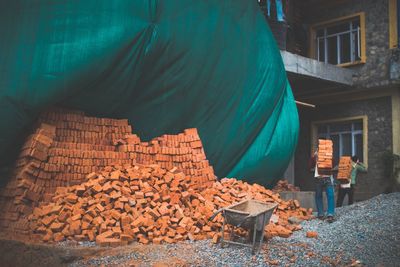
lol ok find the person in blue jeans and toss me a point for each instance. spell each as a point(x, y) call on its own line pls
point(323, 182)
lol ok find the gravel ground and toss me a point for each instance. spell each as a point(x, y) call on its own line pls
point(367, 232)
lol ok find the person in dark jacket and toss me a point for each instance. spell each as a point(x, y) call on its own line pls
point(349, 188)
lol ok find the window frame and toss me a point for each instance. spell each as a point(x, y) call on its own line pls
point(394, 31)
point(364, 119)
point(361, 39)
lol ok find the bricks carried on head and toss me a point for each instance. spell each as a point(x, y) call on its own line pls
point(345, 168)
point(325, 155)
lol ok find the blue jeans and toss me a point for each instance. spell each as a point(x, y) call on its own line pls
point(327, 184)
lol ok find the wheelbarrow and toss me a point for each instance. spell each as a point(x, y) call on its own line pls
point(251, 215)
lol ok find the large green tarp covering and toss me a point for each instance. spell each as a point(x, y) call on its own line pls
point(164, 64)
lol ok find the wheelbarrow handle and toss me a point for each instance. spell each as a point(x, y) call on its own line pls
point(215, 214)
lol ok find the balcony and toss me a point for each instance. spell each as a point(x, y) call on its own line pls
point(309, 77)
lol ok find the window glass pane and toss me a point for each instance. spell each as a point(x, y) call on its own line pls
point(332, 50)
point(349, 42)
point(336, 149)
point(345, 48)
point(346, 145)
point(356, 46)
point(358, 140)
point(341, 127)
point(358, 125)
point(356, 23)
point(321, 50)
point(342, 27)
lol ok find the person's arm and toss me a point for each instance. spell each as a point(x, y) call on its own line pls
point(312, 162)
point(361, 167)
point(336, 168)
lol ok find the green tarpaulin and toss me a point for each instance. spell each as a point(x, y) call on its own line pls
point(164, 64)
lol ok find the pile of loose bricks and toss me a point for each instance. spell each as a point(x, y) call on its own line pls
point(344, 169)
point(147, 203)
point(88, 178)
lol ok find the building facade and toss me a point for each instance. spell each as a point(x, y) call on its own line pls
point(343, 56)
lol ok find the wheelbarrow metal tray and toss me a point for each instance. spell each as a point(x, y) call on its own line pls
point(247, 212)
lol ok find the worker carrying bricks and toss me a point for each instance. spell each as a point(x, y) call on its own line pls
point(321, 165)
point(349, 188)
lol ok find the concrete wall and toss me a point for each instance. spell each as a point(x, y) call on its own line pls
point(379, 112)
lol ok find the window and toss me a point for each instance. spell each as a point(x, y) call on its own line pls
point(347, 137)
point(340, 41)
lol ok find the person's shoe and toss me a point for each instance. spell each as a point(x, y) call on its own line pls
point(330, 219)
point(321, 217)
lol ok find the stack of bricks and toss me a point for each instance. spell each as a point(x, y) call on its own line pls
point(184, 151)
point(22, 190)
point(344, 171)
point(325, 155)
point(81, 145)
point(147, 203)
point(67, 145)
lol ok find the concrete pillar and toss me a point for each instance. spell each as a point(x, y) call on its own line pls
point(289, 173)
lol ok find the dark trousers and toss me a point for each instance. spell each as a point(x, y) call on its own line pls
point(343, 192)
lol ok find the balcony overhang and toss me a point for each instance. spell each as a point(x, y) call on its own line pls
point(309, 77)
point(312, 68)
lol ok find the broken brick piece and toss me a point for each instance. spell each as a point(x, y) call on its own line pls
point(312, 234)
